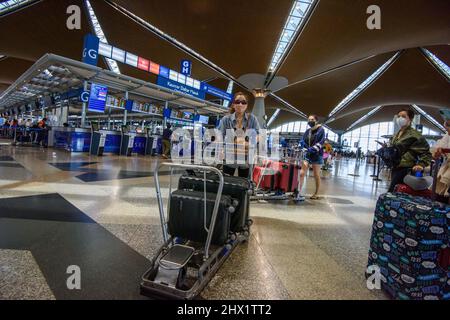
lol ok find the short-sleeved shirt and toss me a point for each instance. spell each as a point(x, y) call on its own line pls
point(167, 133)
point(229, 122)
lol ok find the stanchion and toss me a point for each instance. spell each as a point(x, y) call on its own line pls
point(374, 168)
point(378, 166)
point(356, 170)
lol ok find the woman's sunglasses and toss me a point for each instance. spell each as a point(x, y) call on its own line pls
point(243, 102)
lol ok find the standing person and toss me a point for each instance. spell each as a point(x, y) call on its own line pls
point(167, 134)
point(312, 141)
point(238, 120)
point(413, 149)
point(42, 133)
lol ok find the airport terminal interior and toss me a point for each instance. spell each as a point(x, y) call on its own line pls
point(102, 198)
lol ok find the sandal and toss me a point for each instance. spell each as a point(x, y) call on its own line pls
point(314, 197)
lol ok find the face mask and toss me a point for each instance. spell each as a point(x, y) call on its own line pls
point(402, 121)
point(311, 123)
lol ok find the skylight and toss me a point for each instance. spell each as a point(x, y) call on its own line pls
point(273, 117)
point(9, 5)
point(101, 35)
point(363, 85)
point(438, 63)
point(296, 19)
point(367, 116)
point(428, 117)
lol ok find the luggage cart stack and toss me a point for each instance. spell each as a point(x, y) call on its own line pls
point(207, 217)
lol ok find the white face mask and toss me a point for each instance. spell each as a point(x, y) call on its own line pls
point(402, 121)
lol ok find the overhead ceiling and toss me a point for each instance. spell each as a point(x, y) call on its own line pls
point(412, 79)
point(333, 54)
point(337, 33)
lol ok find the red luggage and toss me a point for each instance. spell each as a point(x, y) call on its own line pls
point(289, 177)
point(404, 188)
point(270, 180)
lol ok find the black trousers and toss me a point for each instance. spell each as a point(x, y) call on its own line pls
point(397, 176)
point(231, 171)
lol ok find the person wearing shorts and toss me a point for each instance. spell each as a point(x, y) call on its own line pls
point(312, 141)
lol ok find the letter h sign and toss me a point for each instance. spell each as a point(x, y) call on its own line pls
point(186, 67)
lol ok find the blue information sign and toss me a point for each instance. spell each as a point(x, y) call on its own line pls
point(186, 67)
point(97, 98)
point(179, 87)
point(216, 92)
point(90, 49)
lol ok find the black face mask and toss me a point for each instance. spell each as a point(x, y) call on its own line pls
point(311, 123)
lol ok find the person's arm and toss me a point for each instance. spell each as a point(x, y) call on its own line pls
point(422, 150)
point(320, 139)
point(221, 127)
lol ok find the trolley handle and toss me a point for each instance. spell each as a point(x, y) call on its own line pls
point(216, 204)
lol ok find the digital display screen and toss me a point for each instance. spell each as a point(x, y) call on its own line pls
point(154, 68)
point(143, 64)
point(97, 98)
point(132, 60)
point(203, 119)
point(163, 71)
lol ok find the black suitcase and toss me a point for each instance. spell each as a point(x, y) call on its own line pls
point(236, 187)
point(186, 216)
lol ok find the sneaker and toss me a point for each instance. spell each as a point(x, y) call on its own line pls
point(299, 198)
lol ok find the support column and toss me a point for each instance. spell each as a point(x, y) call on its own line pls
point(83, 111)
point(259, 109)
point(125, 114)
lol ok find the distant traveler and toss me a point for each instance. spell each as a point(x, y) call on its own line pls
point(413, 149)
point(239, 119)
point(43, 132)
point(312, 141)
point(167, 133)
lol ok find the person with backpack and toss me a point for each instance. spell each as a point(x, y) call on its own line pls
point(410, 150)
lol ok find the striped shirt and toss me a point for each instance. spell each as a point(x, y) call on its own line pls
point(229, 122)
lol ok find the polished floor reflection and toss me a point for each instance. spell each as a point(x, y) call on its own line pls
point(100, 213)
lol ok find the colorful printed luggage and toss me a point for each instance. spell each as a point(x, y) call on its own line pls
point(409, 244)
point(404, 188)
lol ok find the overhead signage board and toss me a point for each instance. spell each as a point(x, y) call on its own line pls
point(93, 47)
point(179, 87)
point(97, 98)
point(216, 92)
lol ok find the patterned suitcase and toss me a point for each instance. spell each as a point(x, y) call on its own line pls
point(409, 244)
point(403, 188)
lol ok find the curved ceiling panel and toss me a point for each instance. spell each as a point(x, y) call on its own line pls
point(321, 94)
point(238, 36)
point(412, 79)
point(337, 33)
point(12, 68)
point(386, 114)
point(128, 35)
point(41, 28)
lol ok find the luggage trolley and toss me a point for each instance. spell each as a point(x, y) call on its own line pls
point(188, 260)
point(296, 159)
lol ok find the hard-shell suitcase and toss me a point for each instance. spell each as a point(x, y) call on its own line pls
point(187, 216)
point(409, 242)
point(268, 181)
point(236, 187)
point(288, 177)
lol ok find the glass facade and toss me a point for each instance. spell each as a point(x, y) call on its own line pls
point(300, 127)
point(366, 136)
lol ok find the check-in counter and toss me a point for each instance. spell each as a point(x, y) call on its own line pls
point(112, 141)
point(70, 139)
point(142, 144)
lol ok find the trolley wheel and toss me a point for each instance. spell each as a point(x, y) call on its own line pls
point(249, 222)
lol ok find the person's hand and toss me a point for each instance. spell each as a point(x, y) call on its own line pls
point(417, 168)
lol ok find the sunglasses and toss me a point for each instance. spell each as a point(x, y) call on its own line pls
point(243, 102)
